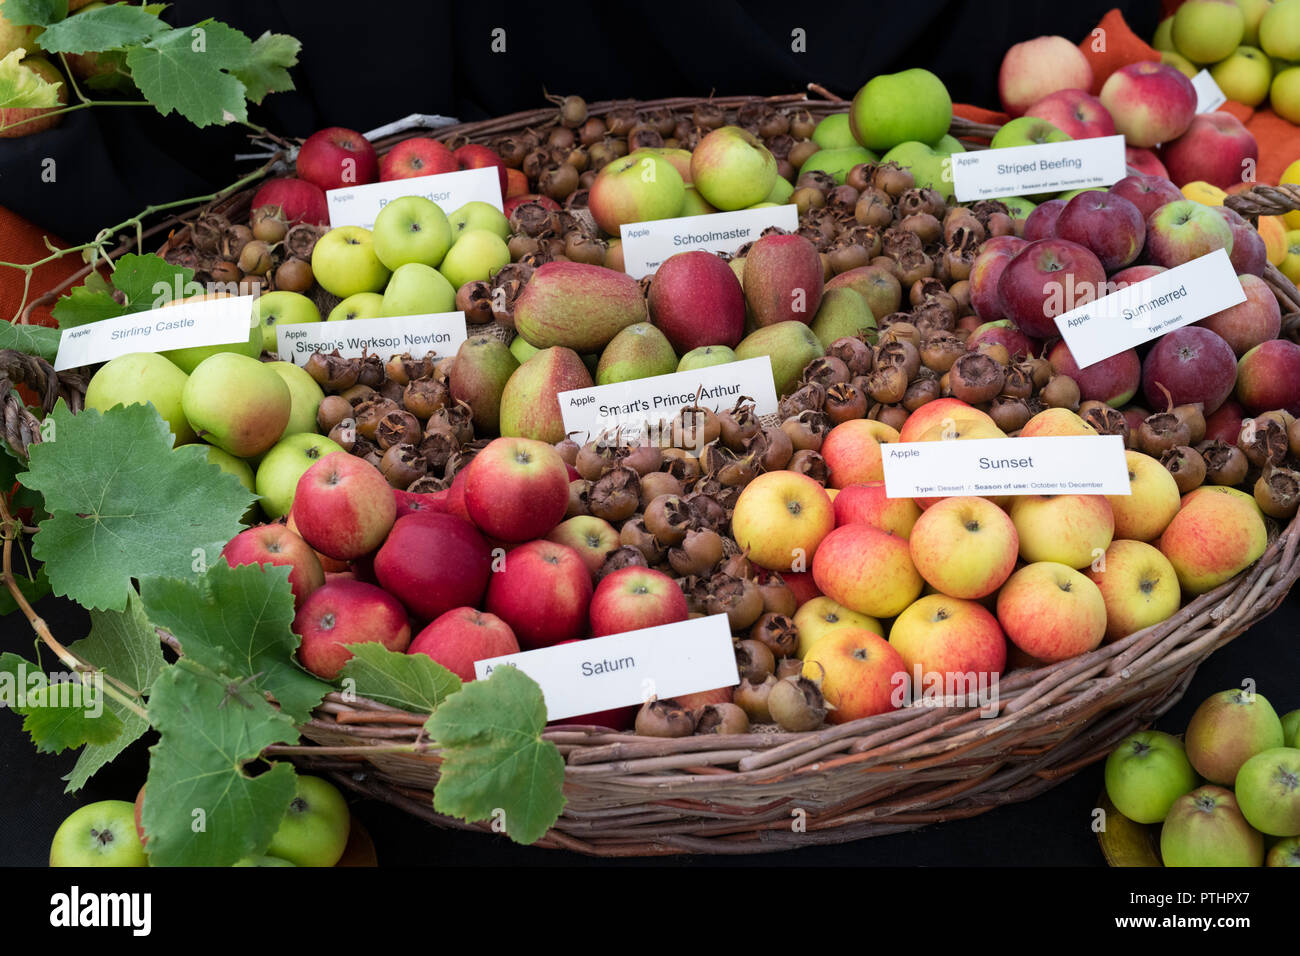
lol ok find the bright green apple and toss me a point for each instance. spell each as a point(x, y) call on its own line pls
point(98, 834)
point(1027, 131)
point(1207, 31)
point(894, 108)
point(274, 309)
point(362, 305)
point(949, 144)
point(1252, 11)
point(416, 289)
point(1146, 773)
point(781, 192)
point(838, 162)
point(315, 829)
point(478, 215)
point(696, 205)
point(706, 356)
point(305, 397)
point(1291, 729)
point(412, 229)
point(1284, 95)
point(1279, 30)
point(1180, 63)
point(477, 254)
point(1018, 206)
point(344, 262)
point(521, 350)
point(1163, 39)
point(931, 170)
point(241, 470)
point(1268, 791)
point(283, 465)
point(1244, 76)
point(834, 132)
point(142, 378)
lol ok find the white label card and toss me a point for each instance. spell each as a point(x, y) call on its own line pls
point(1039, 168)
point(1042, 465)
point(359, 205)
point(440, 332)
point(620, 670)
point(1208, 95)
point(627, 407)
point(1127, 317)
point(647, 244)
point(214, 322)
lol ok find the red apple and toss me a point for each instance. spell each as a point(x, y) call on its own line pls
point(477, 156)
point(1133, 275)
point(462, 636)
point(593, 538)
point(433, 563)
point(1147, 193)
point(1041, 221)
point(1113, 380)
point(1249, 323)
point(1194, 364)
point(1076, 113)
point(343, 506)
point(277, 545)
point(1249, 255)
point(412, 502)
point(1107, 223)
point(1150, 102)
point(1004, 332)
point(417, 156)
point(345, 612)
point(1216, 148)
point(517, 489)
point(985, 272)
point(1268, 377)
point(1145, 161)
point(1033, 69)
point(299, 200)
point(543, 592)
point(696, 300)
point(1046, 279)
point(335, 157)
point(1225, 424)
point(633, 598)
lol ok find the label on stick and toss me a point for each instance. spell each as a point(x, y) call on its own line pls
point(1038, 168)
point(440, 332)
point(629, 407)
point(1127, 317)
point(213, 322)
point(359, 205)
point(647, 244)
point(1041, 465)
point(621, 670)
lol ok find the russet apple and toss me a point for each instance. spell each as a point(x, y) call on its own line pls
point(1051, 611)
point(781, 518)
point(463, 635)
point(342, 612)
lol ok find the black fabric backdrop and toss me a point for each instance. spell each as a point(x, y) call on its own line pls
point(363, 66)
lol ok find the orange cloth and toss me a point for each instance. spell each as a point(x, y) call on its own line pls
point(20, 241)
point(1119, 46)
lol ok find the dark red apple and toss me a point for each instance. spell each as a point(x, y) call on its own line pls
point(410, 502)
point(1145, 161)
point(1194, 364)
point(417, 156)
point(336, 156)
point(1133, 275)
point(517, 489)
point(1225, 424)
point(1041, 221)
point(1046, 279)
point(633, 598)
point(1148, 193)
point(985, 272)
point(1004, 332)
point(1249, 256)
point(1216, 148)
point(276, 545)
point(299, 200)
point(543, 592)
point(1268, 377)
point(1076, 113)
point(462, 636)
point(696, 300)
point(343, 612)
point(1107, 223)
point(433, 563)
point(1249, 323)
point(1113, 380)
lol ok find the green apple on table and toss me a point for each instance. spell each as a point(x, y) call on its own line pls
point(142, 378)
point(344, 262)
point(1146, 773)
point(411, 229)
point(274, 309)
point(282, 466)
point(476, 254)
point(315, 828)
point(477, 214)
point(98, 834)
point(416, 289)
point(361, 305)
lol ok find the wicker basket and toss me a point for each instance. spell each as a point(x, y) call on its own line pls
point(762, 792)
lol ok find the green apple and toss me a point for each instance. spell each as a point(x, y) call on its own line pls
point(1180, 63)
point(949, 144)
point(930, 169)
point(1244, 76)
point(781, 192)
point(522, 350)
point(283, 465)
point(1206, 828)
point(838, 162)
point(1252, 11)
point(274, 309)
point(706, 356)
point(188, 359)
point(834, 132)
point(732, 168)
point(1284, 853)
point(1163, 39)
point(897, 107)
point(477, 254)
point(1146, 773)
point(1291, 729)
point(1284, 95)
point(696, 205)
point(1207, 31)
point(1027, 131)
point(344, 262)
point(1268, 791)
point(98, 834)
point(640, 187)
point(478, 215)
point(262, 861)
point(1279, 30)
point(315, 829)
point(241, 470)
point(411, 229)
point(142, 378)
point(1018, 206)
point(305, 397)
point(236, 403)
point(416, 289)
point(362, 305)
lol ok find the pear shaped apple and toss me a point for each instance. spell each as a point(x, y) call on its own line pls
point(237, 403)
point(416, 289)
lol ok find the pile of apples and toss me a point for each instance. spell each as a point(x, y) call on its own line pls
point(1227, 794)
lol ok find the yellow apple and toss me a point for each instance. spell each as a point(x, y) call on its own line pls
point(867, 570)
point(1213, 538)
point(1052, 612)
point(780, 518)
point(1056, 421)
point(1139, 586)
point(1073, 530)
point(821, 616)
point(965, 546)
point(861, 673)
point(946, 636)
point(1143, 514)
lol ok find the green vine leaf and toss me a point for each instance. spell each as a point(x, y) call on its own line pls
point(268, 67)
point(59, 715)
point(33, 589)
point(124, 504)
point(104, 28)
point(184, 70)
point(39, 13)
point(37, 340)
point(237, 621)
point(145, 281)
point(81, 306)
point(23, 88)
point(124, 645)
point(495, 761)
point(414, 682)
point(201, 808)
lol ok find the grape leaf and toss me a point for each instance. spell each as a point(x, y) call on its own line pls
point(33, 339)
point(81, 306)
point(33, 589)
point(182, 70)
point(124, 645)
point(268, 68)
point(494, 759)
point(148, 281)
point(414, 682)
point(201, 808)
point(123, 503)
point(34, 12)
point(104, 28)
point(237, 621)
point(62, 713)
point(21, 87)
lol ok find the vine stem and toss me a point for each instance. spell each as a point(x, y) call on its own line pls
point(81, 668)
